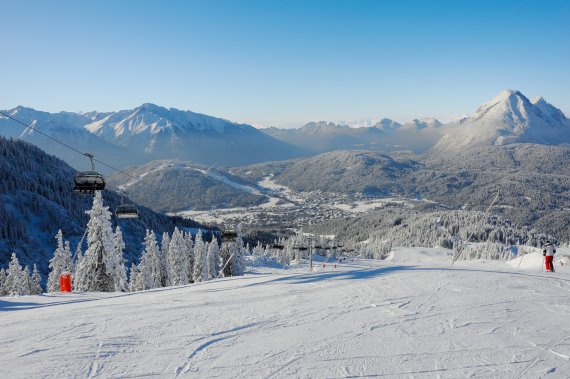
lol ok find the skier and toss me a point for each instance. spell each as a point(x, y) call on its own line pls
point(548, 250)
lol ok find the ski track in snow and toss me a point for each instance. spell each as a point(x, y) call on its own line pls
point(363, 319)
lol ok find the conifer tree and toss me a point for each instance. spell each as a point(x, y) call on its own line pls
point(149, 266)
point(36, 281)
point(177, 259)
point(164, 259)
point(98, 265)
point(13, 285)
point(238, 260)
point(133, 278)
point(189, 256)
point(200, 265)
point(213, 259)
point(2, 281)
point(119, 268)
point(26, 281)
point(60, 263)
point(258, 253)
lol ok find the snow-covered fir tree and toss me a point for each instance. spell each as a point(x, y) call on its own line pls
point(26, 281)
point(133, 278)
point(200, 273)
point(258, 253)
point(99, 267)
point(213, 259)
point(238, 261)
point(119, 262)
point(2, 281)
point(36, 281)
point(177, 260)
point(149, 266)
point(60, 263)
point(13, 285)
point(189, 255)
point(164, 259)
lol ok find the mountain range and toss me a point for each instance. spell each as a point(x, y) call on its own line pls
point(150, 132)
point(143, 134)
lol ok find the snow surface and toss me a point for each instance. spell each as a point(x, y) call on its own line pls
point(414, 315)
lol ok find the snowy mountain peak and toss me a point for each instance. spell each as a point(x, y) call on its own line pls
point(387, 124)
point(510, 117)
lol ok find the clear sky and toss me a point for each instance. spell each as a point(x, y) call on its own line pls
point(283, 63)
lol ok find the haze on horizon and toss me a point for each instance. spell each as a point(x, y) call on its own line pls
point(284, 63)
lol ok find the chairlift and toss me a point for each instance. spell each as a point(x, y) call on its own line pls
point(278, 247)
point(318, 247)
point(87, 182)
point(126, 210)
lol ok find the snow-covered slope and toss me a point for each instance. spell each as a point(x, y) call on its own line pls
point(508, 118)
point(416, 316)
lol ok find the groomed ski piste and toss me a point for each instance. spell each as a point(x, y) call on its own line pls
point(413, 315)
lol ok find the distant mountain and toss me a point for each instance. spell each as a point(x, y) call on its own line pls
point(534, 180)
point(146, 133)
point(508, 118)
point(36, 200)
point(174, 186)
point(69, 128)
point(368, 172)
point(384, 136)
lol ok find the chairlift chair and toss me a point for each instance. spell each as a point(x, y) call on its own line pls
point(88, 182)
point(126, 210)
point(278, 247)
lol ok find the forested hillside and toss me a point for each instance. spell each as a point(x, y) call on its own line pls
point(36, 200)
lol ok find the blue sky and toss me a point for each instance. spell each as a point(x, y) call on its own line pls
point(283, 63)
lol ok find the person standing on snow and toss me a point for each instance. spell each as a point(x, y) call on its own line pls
point(548, 250)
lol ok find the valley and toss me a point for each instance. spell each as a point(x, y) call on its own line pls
point(289, 210)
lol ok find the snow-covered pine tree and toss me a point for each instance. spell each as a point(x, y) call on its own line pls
point(258, 253)
point(2, 281)
point(26, 281)
point(213, 259)
point(133, 278)
point(149, 266)
point(60, 263)
point(120, 278)
point(207, 260)
point(189, 255)
point(238, 261)
point(177, 259)
point(36, 281)
point(164, 259)
point(98, 268)
point(13, 285)
point(200, 273)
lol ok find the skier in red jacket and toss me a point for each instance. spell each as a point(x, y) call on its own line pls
point(548, 250)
